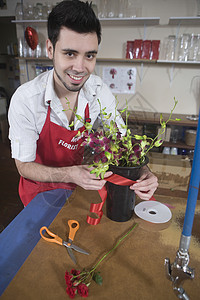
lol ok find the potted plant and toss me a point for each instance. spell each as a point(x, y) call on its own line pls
point(124, 155)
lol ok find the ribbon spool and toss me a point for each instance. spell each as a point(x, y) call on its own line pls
point(31, 37)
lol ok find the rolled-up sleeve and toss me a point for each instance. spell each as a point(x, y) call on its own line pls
point(22, 131)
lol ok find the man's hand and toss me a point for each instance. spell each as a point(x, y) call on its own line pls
point(81, 176)
point(146, 185)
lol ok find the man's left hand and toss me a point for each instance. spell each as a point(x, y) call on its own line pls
point(146, 185)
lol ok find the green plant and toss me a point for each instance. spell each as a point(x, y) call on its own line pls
point(113, 148)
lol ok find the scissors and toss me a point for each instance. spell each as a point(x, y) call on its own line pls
point(73, 226)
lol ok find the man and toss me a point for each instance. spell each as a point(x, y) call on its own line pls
point(43, 145)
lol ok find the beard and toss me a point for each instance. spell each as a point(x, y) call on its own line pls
point(73, 87)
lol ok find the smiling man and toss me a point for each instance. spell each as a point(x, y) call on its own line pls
point(46, 149)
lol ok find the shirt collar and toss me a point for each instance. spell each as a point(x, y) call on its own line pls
point(50, 93)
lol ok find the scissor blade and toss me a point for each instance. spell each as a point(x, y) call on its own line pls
point(79, 249)
point(71, 254)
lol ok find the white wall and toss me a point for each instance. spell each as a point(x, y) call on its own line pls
point(155, 92)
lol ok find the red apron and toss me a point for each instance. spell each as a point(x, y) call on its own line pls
point(56, 147)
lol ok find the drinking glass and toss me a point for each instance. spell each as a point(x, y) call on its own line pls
point(20, 47)
point(198, 8)
point(19, 11)
point(39, 11)
point(193, 48)
point(102, 12)
point(170, 47)
point(29, 12)
point(183, 47)
point(112, 8)
point(122, 8)
point(131, 9)
point(198, 51)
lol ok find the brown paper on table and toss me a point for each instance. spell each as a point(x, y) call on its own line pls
point(135, 270)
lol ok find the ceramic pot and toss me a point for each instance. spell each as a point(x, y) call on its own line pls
point(120, 200)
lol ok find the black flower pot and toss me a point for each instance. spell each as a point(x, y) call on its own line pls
point(120, 200)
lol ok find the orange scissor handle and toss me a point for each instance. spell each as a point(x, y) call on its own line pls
point(73, 226)
point(54, 238)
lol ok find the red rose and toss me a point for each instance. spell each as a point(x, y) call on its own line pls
point(71, 292)
point(68, 278)
point(83, 290)
point(75, 272)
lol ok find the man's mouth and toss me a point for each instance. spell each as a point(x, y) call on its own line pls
point(76, 79)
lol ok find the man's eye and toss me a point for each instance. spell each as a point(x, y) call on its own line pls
point(70, 54)
point(91, 56)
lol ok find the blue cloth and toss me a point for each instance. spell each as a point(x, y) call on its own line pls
point(20, 237)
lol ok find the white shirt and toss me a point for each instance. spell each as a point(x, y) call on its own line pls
point(29, 105)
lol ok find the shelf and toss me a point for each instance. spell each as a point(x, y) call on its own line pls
point(147, 61)
point(130, 21)
point(110, 21)
point(141, 117)
point(190, 21)
point(28, 21)
point(177, 62)
point(34, 58)
point(125, 60)
point(180, 145)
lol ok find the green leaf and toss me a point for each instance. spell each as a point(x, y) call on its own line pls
point(158, 143)
point(78, 117)
point(138, 137)
point(97, 278)
point(72, 124)
point(108, 155)
point(123, 110)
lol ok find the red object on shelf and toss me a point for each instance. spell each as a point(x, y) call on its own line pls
point(146, 49)
point(155, 49)
point(31, 37)
point(129, 49)
point(137, 51)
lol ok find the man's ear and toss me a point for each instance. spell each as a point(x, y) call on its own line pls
point(49, 47)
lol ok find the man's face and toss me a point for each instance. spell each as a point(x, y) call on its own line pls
point(74, 58)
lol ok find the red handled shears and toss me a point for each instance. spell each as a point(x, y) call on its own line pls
point(73, 226)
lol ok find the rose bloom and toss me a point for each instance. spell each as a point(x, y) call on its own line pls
point(71, 292)
point(83, 290)
point(68, 278)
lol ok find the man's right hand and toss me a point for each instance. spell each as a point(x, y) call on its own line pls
point(81, 176)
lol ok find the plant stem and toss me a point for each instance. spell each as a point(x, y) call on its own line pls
point(94, 268)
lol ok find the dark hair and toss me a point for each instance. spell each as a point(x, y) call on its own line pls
point(75, 15)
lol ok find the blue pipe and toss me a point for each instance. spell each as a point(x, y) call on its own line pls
point(193, 187)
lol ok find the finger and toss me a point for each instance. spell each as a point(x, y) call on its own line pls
point(94, 185)
point(144, 196)
point(144, 187)
point(108, 174)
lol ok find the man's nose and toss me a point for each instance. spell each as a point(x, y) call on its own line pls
point(79, 64)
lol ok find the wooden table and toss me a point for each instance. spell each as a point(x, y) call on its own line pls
point(135, 270)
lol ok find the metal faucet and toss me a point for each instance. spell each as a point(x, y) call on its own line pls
point(179, 271)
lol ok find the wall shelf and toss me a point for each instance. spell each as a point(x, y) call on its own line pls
point(123, 60)
point(110, 21)
point(28, 21)
point(177, 62)
point(190, 21)
point(142, 117)
point(146, 61)
point(130, 21)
